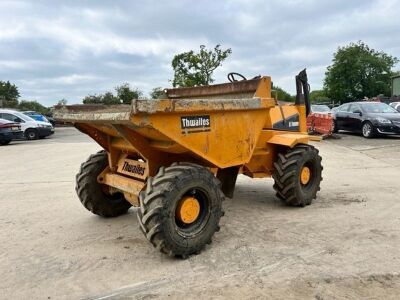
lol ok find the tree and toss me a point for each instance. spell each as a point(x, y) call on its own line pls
point(108, 99)
point(318, 96)
point(126, 94)
point(282, 94)
point(33, 105)
point(92, 99)
point(62, 102)
point(194, 69)
point(9, 94)
point(358, 71)
point(157, 93)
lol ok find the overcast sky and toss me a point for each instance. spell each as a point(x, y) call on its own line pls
point(69, 49)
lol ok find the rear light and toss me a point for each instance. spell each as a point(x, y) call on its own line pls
point(14, 127)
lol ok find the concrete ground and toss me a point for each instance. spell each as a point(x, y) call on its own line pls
point(345, 245)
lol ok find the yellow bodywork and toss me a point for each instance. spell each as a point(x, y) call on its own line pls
point(229, 125)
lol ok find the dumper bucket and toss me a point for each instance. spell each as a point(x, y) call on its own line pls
point(214, 124)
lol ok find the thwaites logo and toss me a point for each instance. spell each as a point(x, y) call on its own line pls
point(133, 168)
point(191, 124)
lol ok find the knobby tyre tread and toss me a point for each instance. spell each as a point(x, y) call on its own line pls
point(158, 202)
point(90, 192)
point(287, 175)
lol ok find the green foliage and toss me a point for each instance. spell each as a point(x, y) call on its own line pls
point(126, 94)
point(282, 94)
point(358, 71)
point(318, 96)
point(194, 69)
point(62, 102)
point(92, 99)
point(9, 94)
point(108, 99)
point(157, 93)
point(33, 105)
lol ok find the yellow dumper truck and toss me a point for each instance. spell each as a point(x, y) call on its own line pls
point(177, 158)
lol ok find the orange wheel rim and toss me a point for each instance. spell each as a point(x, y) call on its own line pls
point(305, 175)
point(188, 210)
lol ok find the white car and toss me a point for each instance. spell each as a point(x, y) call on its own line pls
point(395, 105)
point(32, 129)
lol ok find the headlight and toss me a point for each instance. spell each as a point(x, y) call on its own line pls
point(383, 120)
point(41, 126)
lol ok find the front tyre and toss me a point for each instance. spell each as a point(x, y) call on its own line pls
point(368, 130)
point(92, 194)
point(180, 209)
point(297, 175)
point(31, 134)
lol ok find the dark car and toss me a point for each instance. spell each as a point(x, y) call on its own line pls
point(320, 108)
point(369, 118)
point(395, 105)
point(9, 131)
point(51, 121)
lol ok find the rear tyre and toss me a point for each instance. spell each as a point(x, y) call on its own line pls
point(91, 193)
point(4, 142)
point(31, 134)
point(297, 175)
point(180, 209)
point(368, 130)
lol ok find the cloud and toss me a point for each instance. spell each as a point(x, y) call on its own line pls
point(68, 49)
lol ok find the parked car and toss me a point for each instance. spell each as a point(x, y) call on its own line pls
point(31, 128)
point(51, 121)
point(9, 131)
point(36, 116)
point(334, 109)
point(369, 118)
point(320, 108)
point(39, 117)
point(395, 105)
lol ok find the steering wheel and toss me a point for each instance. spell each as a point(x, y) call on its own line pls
point(231, 76)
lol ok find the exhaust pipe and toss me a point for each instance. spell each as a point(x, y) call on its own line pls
point(303, 91)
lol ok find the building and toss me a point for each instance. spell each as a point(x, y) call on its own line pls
point(396, 85)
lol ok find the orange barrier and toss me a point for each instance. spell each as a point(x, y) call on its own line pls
point(320, 123)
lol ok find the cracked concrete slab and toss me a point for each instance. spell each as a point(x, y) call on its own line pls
point(345, 245)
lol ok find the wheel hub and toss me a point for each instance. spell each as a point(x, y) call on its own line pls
point(305, 175)
point(188, 210)
point(367, 129)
